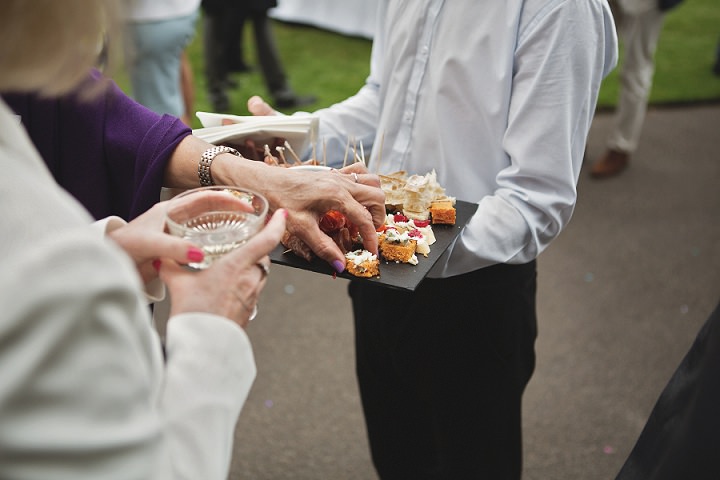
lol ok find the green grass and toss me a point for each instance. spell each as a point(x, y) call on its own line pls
point(333, 66)
point(684, 59)
point(317, 62)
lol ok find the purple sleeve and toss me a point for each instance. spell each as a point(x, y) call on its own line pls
point(108, 151)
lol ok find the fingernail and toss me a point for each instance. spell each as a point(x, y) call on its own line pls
point(285, 213)
point(195, 254)
point(338, 266)
point(156, 264)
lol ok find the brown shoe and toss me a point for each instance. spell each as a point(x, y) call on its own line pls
point(610, 164)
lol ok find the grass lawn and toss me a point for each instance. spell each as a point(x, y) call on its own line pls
point(684, 59)
point(333, 66)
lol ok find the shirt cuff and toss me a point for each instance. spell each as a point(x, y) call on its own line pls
point(155, 289)
point(108, 224)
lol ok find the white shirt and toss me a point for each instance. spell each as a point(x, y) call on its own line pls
point(84, 390)
point(497, 97)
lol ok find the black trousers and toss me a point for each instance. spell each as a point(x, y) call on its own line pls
point(223, 32)
point(442, 370)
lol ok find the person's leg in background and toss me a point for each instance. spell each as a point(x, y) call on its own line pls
point(217, 28)
point(640, 32)
point(187, 86)
point(271, 64)
point(153, 52)
point(236, 50)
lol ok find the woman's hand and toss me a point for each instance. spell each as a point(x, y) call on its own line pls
point(308, 198)
point(259, 107)
point(144, 240)
point(230, 287)
point(308, 195)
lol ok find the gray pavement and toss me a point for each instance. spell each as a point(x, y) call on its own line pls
point(622, 293)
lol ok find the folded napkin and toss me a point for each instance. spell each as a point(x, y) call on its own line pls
point(299, 130)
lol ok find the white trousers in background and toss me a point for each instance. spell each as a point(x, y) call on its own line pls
point(640, 25)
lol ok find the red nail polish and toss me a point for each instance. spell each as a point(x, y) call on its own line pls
point(195, 254)
point(156, 264)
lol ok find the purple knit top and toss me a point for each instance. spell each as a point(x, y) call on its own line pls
point(109, 152)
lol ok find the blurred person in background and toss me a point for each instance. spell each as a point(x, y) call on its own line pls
point(86, 392)
point(681, 438)
point(640, 23)
point(157, 33)
point(224, 22)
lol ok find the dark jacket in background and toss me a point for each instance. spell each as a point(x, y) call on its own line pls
point(681, 439)
point(665, 5)
point(249, 5)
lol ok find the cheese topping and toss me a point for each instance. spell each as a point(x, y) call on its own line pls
point(393, 235)
point(359, 257)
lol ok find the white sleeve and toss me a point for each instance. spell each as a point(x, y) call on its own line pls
point(210, 366)
point(560, 62)
point(106, 225)
point(155, 289)
point(78, 363)
point(85, 393)
point(354, 119)
point(357, 116)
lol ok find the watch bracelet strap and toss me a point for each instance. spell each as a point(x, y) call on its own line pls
point(206, 159)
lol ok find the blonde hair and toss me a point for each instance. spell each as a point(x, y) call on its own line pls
point(49, 45)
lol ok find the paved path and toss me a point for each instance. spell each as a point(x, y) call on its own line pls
point(622, 293)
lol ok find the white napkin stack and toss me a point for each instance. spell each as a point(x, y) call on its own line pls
point(299, 130)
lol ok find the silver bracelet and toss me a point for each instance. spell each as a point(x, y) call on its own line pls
point(206, 160)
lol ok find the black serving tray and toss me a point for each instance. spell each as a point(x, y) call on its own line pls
point(395, 275)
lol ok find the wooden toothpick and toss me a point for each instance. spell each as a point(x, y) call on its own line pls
point(292, 152)
point(281, 152)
